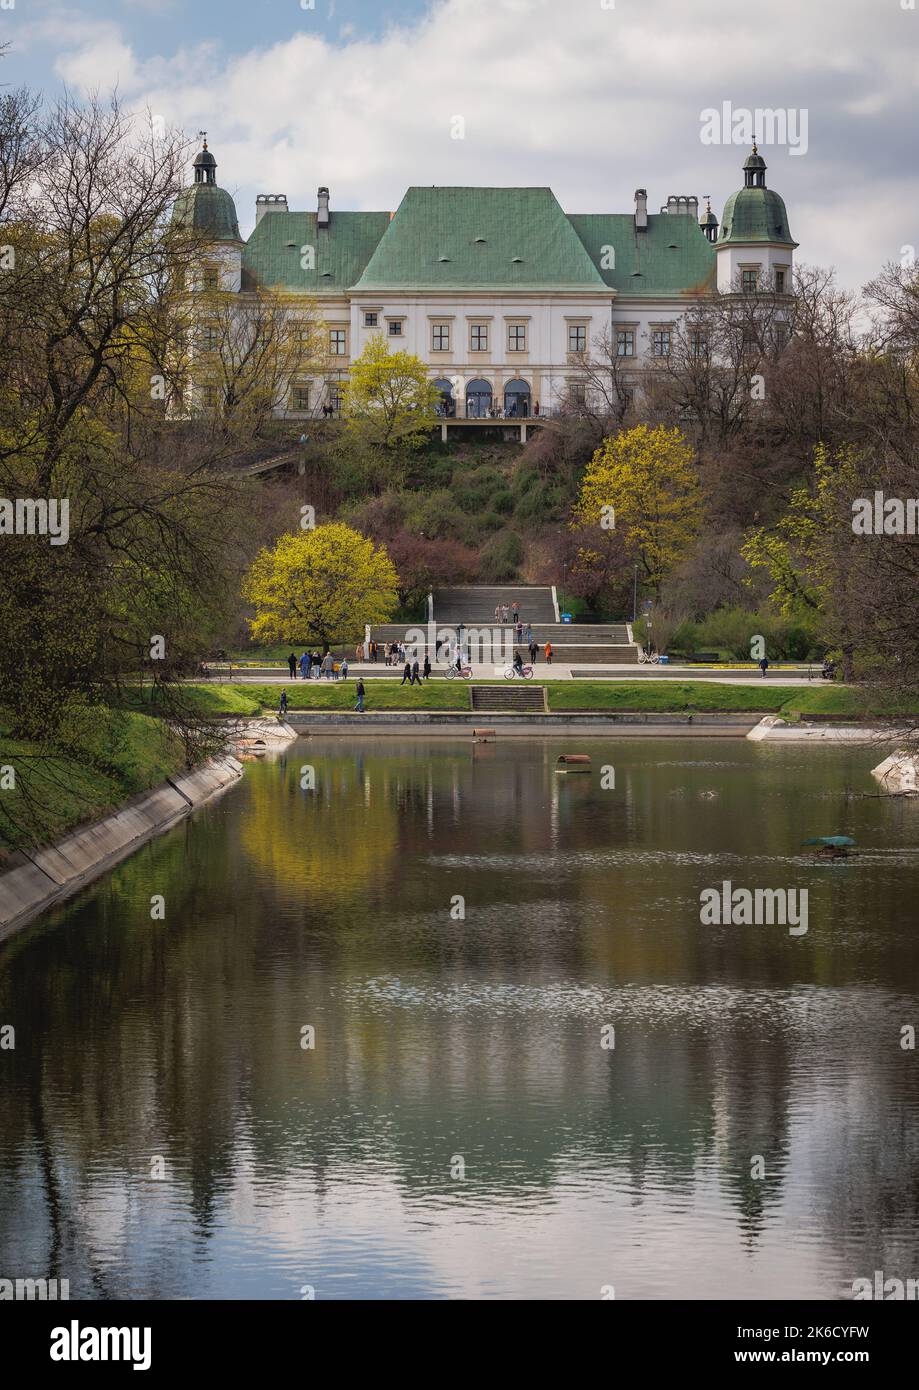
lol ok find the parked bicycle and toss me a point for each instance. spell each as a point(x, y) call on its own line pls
point(649, 658)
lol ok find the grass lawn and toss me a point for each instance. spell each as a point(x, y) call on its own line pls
point(122, 753)
point(207, 700)
point(434, 695)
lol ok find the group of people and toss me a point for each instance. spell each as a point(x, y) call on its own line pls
point(412, 673)
point(502, 611)
point(311, 664)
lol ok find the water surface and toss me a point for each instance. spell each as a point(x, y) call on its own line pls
point(163, 1133)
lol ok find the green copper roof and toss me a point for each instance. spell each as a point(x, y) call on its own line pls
point(480, 238)
point(208, 209)
point(274, 252)
point(672, 257)
point(754, 214)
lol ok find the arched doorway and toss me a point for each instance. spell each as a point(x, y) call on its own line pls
point(516, 399)
point(447, 402)
point(478, 399)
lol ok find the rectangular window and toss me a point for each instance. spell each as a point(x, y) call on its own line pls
point(660, 342)
point(371, 319)
point(517, 337)
point(698, 344)
point(780, 282)
point(628, 397)
point(210, 396)
point(337, 342)
point(211, 279)
point(336, 398)
point(625, 342)
point(478, 337)
point(300, 397)
point(577, 337)
point(578, 392)
point(440, 339)
point(748, 281)
point(395, 328)
point(210, 337)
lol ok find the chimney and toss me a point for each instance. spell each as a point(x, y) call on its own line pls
point(269, 202)
point(322, 215)
point(641, 209)
point(687, 204)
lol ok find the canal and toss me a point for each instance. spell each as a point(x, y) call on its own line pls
point(421, 1018)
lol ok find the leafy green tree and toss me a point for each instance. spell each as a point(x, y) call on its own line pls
point(389, 399)
point(321, 585)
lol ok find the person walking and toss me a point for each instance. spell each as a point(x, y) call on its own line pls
point(416, 678)
point(764, 667)
point(344, 668)
point(305, 666)
point(427, 668)
point(407, 674)
point(282, 706)
point(519, 630)
point(529, 633)
point(504, 612)
point(359, 707)
point(515, 608)
point(534, 652)
point(373, 652)
point(292, 666)
point(548, 653)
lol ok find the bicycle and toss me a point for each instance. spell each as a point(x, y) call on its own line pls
point(525, 673)
point(452, 674)
point(650, 658)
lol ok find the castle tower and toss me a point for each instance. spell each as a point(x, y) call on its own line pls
point(754, 245)
point(211, 211)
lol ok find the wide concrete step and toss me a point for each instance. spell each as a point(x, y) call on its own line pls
point(476, 603)
point(516, 695)
point(559, 634)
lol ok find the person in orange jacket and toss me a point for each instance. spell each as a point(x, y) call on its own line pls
point(549, 653)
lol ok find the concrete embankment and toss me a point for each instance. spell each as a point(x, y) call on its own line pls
point(460, 725)
point(35, 879)
point(899, 774)
point(774, 729)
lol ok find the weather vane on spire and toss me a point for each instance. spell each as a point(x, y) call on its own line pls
point(203, 136)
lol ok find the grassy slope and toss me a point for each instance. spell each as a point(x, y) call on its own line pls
point(124, 754)
point(438, 694)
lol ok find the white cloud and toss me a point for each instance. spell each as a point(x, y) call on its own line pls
point(589, 100)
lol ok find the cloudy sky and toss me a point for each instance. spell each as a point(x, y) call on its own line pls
point(592, 97)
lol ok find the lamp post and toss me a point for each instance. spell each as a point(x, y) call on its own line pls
point(635, 595)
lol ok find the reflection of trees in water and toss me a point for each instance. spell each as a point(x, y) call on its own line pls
point(182, 1037)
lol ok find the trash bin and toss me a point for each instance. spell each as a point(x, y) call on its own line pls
point(664, 660)
point(566, 617)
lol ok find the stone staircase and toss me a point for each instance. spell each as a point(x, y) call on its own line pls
point(513, 697)
point(474, 605)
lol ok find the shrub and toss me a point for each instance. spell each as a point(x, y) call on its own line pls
point(501, 558)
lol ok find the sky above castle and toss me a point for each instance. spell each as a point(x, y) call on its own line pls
point(593, 97)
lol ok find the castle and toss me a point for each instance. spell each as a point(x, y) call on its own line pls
point(498, 290)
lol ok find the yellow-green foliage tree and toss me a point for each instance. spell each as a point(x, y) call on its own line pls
point(389, 400)
point(321, 585)
point(818, 568)
point(642, 487)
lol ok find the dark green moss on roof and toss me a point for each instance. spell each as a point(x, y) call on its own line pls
point(755, 214)
point(208, 209)
point(274, 252)
point(672, 257)
point(480, 238)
